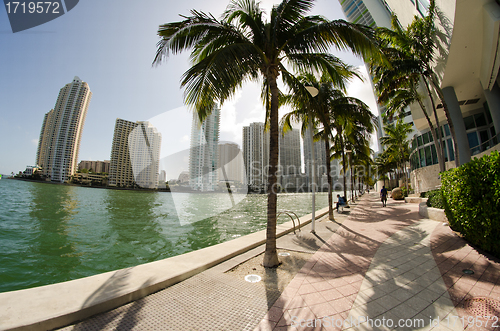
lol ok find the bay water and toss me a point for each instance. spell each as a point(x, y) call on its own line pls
point(52, 233)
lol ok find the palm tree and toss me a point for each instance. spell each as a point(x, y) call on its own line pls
point(320, 108)
point(384, 166)
point(242, 46)
point(357, 141)
point(397, 86)
point(420, 41)
point(398, 146)
point(353, 123)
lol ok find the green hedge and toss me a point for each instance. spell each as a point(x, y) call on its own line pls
point(434, 199)
point(471, 197)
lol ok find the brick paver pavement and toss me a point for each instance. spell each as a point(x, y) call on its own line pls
point(380, 265)
point(386, 268)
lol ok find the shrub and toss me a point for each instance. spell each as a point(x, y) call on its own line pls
point(435, 199)
point(405, 193)
point(471, 197)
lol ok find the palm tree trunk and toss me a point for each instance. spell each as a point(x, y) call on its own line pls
point(352, 178)
point(329, 177)
point(343, 163)
point(271, 255)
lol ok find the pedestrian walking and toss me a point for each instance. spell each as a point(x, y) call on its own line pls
point(383, 196)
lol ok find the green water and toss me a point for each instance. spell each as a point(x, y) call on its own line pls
point(53, 233)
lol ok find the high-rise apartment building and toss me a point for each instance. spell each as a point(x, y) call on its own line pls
point(144, 148)
point(373, 13)
point(203, 154)
point(120, 169)
point(290, 175)
point(61, 133)
point(256, 155)
point(289, 152)
point(230, 162)
point(319, 157)
point(135, 155)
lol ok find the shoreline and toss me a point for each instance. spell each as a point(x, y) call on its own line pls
point(157, 190)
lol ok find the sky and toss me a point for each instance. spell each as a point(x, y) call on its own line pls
point(111, 46)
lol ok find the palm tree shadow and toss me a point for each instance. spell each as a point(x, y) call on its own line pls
point(128, 315)
point(308, 243)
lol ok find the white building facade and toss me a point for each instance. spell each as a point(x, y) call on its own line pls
point(144, 144)
point(135, 155)
point(256, 155)
point(230, 162)
point(203, 154)
point(120, 169)
point(468, 72)
point(61, 133)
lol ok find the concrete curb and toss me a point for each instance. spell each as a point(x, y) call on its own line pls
point(435, 214)
point(57, 305)
point(414, 199)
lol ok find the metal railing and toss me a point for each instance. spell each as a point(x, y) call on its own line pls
point(288, 212)
point(485, 146)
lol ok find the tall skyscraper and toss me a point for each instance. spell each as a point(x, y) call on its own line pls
point(374, 13)
point(144, 148)
point(230, 162)
point(61, 132)
point(135, 155)
point(256, 155)
point(319, 157)
point(120, 169)
point(289, 145)
point(356, 12)
point(203, 154)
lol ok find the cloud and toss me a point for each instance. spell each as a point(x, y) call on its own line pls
point(34, 142)
point(364, 92)
point(244, 108)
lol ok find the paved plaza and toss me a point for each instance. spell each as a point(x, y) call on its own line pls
point(373, 268)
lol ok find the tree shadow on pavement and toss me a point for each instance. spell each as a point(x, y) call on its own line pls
point(127, 312)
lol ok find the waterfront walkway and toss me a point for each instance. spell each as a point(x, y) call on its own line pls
point(386, 266)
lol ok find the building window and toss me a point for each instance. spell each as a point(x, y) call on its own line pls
point(451, 150)
point(425, 137)
point(423, 7)
point(469, 122)
point(428, 155)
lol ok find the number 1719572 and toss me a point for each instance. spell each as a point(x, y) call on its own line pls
point(32, 7)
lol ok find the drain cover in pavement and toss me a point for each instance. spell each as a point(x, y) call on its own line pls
point(252, 278)
point(482, 306)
